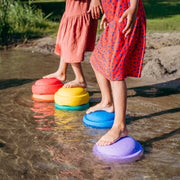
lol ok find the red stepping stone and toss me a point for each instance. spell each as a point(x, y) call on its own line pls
point(44, 89)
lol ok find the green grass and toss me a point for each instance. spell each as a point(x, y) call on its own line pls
point(161, 8)
point(169, 24)
point(162, 16)
point(20, 22)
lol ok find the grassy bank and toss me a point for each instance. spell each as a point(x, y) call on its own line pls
point(21, 21)
point(162, 15)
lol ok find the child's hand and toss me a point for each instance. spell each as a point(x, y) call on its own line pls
point(130, 14)
point(103, 22)
point(95, 9)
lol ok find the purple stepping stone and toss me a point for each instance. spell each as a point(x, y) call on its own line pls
point(125, 150)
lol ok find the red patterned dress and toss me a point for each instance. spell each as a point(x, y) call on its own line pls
point(115, 56)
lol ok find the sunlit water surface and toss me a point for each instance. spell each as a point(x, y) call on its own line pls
point(39, 142)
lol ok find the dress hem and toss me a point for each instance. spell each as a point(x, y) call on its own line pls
point(119, 79)
point(75, 59)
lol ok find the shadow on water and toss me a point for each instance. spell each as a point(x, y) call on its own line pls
point(149, 142)
point(158, 90)
point(170, 111)
point(7, 83)
point(155, 90)
point(2, 145)
point(161, 8)
point(150, 91)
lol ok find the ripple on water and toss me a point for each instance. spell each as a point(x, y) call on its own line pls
point(24, 98)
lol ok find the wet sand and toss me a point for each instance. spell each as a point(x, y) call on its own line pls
point(39, 142)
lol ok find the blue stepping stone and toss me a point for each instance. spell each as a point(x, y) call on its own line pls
point(99, 119)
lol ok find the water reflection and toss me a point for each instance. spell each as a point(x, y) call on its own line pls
point(65, 144)
point(65, 120)
point(44, 115)
point(69, 127)
point(62, 123)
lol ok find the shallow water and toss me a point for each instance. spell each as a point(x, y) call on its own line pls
point(39, 142)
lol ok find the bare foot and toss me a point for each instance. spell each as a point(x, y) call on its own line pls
point(100, 106)
point(60, 76)
point(112, 136)
point(75, 83)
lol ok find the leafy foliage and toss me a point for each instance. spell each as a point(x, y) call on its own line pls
point(19, 21)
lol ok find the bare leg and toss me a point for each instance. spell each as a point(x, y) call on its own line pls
point(118, 129)
point(60, 73)
point(79, 80)
point(106, 103)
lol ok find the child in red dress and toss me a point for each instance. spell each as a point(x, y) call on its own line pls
point(118, 54)
point(77, 34)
